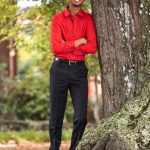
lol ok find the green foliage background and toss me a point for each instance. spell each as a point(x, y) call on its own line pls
point(28, 96)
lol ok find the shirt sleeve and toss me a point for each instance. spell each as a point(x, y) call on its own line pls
point(77, 52)
point(91, 46)
point(59, 46)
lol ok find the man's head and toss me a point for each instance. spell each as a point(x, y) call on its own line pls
point(77, 3)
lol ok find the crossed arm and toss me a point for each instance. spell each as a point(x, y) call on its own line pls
point(77, 47)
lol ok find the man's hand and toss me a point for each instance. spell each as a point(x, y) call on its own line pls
point(80, 42)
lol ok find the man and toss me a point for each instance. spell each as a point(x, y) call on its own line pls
point(72, 36)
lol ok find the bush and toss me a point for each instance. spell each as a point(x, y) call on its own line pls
point(32, 98)
point(7, 86)
point(28, 98)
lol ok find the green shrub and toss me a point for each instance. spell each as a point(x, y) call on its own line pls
point(28, 98)
point(32, 98)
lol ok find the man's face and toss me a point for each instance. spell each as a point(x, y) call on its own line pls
point(77, 3)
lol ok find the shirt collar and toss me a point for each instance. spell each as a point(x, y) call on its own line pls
point(67, 12)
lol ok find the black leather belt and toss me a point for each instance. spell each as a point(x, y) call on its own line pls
point(69, 62)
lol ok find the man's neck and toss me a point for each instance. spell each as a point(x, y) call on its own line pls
point(73, 10)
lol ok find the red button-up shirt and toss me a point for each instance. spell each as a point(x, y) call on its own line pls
point(65, 29)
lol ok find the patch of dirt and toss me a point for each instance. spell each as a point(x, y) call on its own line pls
point(33, 146)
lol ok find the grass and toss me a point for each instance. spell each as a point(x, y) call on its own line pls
point(30, 135)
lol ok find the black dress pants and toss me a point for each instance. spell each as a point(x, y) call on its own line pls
point(64, 77)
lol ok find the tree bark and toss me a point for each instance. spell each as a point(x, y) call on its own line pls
point(120, 34)
point(123, 32)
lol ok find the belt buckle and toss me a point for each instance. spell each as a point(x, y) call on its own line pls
point(56, 58)
point(71, 61)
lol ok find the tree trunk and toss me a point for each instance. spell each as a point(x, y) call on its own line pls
point(123, 31)
point(96, 105)
point(123, 54)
